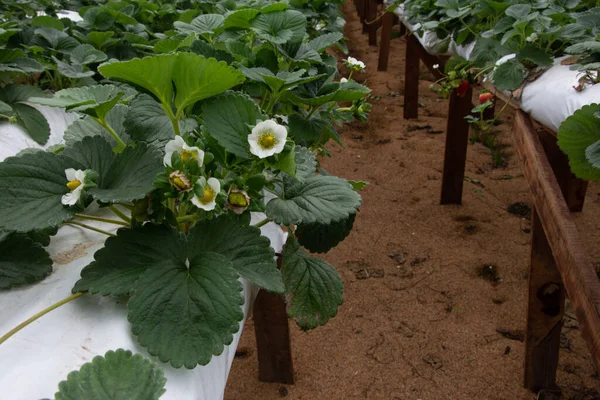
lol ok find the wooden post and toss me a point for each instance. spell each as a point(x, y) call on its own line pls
point(273, 338)
point(557, 248)
point(457, 140)
point(545, 310)
point(373, 23)
point(411, 78)
point(386, 39)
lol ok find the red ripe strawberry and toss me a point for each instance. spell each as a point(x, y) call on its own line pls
point(462, 88)
point(485, 97)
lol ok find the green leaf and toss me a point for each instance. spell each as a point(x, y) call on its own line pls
point(509, 75)
point(536, 55)
point(22, 261)
point(73, 71)
point(518, 11)
point(487, 51)
point(147, 122)
point(240, 18)
point(228, 119)
point(592, 154)
point(195, 77)
point(31, 187)
point(320, 43)
point(151, 73)
point(5, 109)
point(86, 54)
point(185, 315)
point(358, 185)
point(33, 122)
point(87, 126)
point(21, 65)
point(126, 257)
point(249, 252)
point(575, 136)
point(313, 287)
point(205, 23)
point(118, 375)
point(320, 238)
point(55, 39)
point(186, 297)
point(319, 199)
point(95, 101)
point(45, 21)
point(306, 163)
point(285, 162)
point(198, 78)
point(122, 177)
point(281, 27)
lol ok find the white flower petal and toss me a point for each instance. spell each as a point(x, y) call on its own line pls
point(71, 174)
point(80, 175)
point(173, 146)
point(71, 198)
point(343, 80)
point(278, 131)
point(215, 186)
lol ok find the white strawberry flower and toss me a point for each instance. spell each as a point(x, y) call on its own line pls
point(532, 38)
point(436, 66)
point(208, 190)
point(186, 152)
point(355, 64)
point(78, 181)
point(344, 80)
point(267, 138)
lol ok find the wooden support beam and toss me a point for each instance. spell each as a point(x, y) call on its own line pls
point(457, 140)
point(372, 22)
point(273, 338)
point(411, 78)
point(386, 40)
point(545, 310)
point(572, 260)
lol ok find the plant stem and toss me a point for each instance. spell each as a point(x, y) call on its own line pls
point(187, 218)
point(350, 76)
point(174, 120)
point(39, 315)
point(91, 228)
point(312, 111)
point(109, 221)
point(262, 223)
point(121, 144)
point(119, 214)
point(127, 206)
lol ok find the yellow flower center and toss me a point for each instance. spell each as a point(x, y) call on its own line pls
point(188, 154)
point(238, 199)
point(267, 140)
point(209, 195)
point(179, 183)
point(74, 184)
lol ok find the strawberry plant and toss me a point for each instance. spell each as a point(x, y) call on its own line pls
point(190, 120)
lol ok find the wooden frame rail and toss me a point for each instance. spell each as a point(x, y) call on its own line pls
point(559, 263)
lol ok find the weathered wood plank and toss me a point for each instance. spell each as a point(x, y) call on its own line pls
point(372, 22)
point(455, 154)
point(411, 78)
point(386, 41)
point(574, 264)
point(273, 338)
point(545, 310)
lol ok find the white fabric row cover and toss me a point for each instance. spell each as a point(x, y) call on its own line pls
point(37, 358)
point(550, 99)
